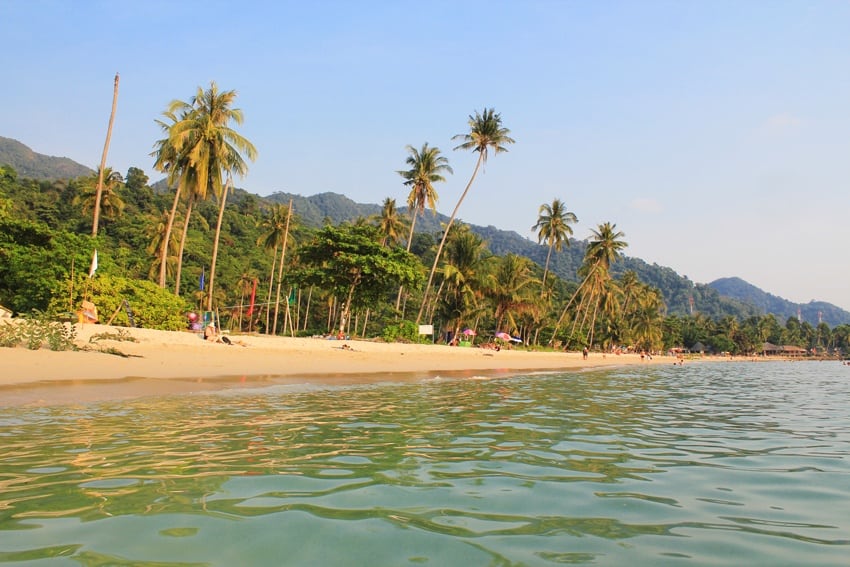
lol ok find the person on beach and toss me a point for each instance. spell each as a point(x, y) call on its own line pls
point(584, 353)
point(211, 335)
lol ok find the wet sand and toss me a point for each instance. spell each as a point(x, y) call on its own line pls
point(164, 362)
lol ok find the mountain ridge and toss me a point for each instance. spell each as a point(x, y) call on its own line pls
point(33, 165)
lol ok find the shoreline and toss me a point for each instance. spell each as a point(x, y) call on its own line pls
point(174, 362)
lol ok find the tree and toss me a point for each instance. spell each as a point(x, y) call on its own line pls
point(509, 288)
point(101, 169)
point(553, 227)
point(211, 147)
point(485, 133)
point(464, 273)
point(110, 203)
point(426, 168)
point(350, 263)
point(272, 239)
point(390, 223)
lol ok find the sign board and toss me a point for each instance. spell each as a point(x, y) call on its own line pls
point(426, 329)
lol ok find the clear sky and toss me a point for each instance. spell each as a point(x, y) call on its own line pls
point(715, 134)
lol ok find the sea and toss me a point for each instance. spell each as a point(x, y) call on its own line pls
point(719, 463)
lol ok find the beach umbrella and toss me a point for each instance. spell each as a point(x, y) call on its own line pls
point(469, 332)
point(503, 336)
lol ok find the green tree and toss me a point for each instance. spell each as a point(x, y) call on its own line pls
point(426, 168)
point(351, 264)
point(553, 227)
point(111, 205)
point(509, 288)
point(486, 133)
point(390, 224)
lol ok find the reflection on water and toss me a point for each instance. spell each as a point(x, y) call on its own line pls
point(722, 464)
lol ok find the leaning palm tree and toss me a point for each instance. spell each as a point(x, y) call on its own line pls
point(553, 227)
point(485, 133)
point(204, 136)
point(102, 168)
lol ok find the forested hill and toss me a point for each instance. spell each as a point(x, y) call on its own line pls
point(30, 164)
point(727, 297)
point(813, 311)
point(682, 296)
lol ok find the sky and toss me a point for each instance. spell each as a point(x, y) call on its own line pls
point(715, 134)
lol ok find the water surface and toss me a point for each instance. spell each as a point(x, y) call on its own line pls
point(713, 464)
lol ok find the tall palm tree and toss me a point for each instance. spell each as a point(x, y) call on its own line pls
point(273, 237)
point(102, 168)
point(485, 133)
point(204, 136)
point(605, 247)
point(426, 168)
point(553, 227)
point(168, 160)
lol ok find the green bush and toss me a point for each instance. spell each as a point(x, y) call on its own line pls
point(152, 306)
point(403, 331)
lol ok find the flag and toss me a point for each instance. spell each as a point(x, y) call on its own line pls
point(93, 268)
point(201, 283)
point(253, 297)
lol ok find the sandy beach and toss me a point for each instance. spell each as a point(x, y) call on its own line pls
point(161, 362)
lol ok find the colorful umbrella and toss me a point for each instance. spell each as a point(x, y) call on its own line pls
point(503, 336)
point(469, 332)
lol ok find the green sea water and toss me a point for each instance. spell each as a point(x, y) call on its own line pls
point(705, 464)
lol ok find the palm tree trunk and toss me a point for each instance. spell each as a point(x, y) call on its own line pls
point(189, 206)
point(271, 286)
point(280, 269)
point(445, 235)
point(99, 191)
point(168, 228)
point(217, 236)
point(307, 307)
point(546, 269)
point(409, 242)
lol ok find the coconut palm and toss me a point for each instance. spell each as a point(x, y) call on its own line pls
point(463, 273)
point(273, 237)
point(102, 168)
point(204, 136)
point(390, 224)
point(485, 133)
point(509, 288)
point(107, 199)
point(553, 227)
point(605, 247)
point(426, 168)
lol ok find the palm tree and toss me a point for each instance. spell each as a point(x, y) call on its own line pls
point(485, 133)
point(168, 160)
point(509, 288)
point(156, 233)
point(102, 168)
point(204, 136)
point(272, 239)
point(390, 223)
point(601, 252)
point(426, 168)
point(463, 273)
point(553, 227)
point(107, 199)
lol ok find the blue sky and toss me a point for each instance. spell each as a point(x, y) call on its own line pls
point(715, 134)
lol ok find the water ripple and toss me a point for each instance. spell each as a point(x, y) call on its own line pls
point(636, 465)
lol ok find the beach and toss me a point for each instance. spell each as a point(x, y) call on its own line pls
point(162, 362)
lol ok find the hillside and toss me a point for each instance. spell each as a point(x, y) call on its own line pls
point(28, 163)
point(724, 297)
point(813, 312)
